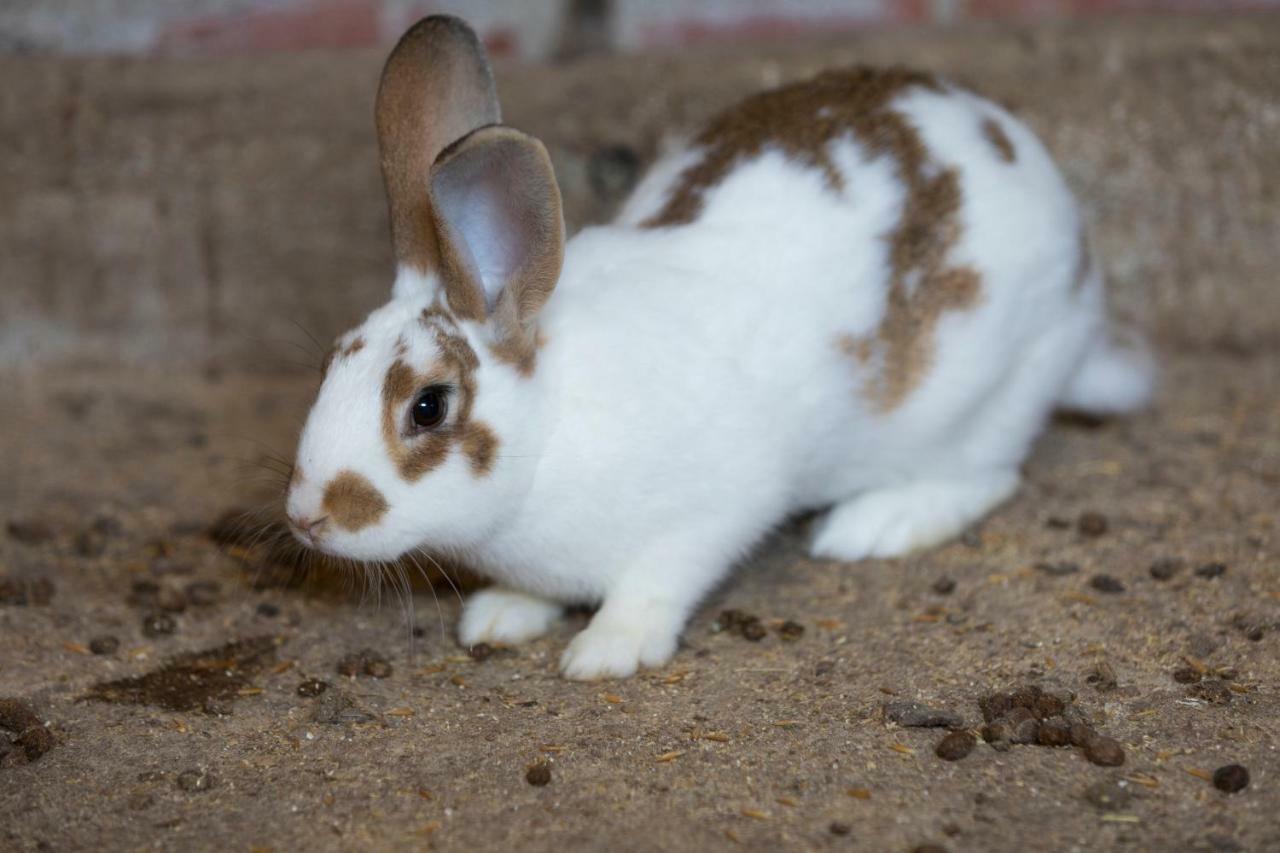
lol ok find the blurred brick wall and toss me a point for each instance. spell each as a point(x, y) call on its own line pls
point(526, 29)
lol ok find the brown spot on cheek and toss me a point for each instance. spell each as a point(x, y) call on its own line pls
point(999, 140)
point(480, 445)
point(351, 501)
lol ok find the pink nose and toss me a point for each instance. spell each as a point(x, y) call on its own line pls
point(307, 527)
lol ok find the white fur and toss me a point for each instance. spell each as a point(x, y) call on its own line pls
point(691, 394)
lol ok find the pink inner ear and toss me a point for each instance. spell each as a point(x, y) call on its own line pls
point(475, 197)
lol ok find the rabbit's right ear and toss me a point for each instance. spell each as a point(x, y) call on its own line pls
point(436, 88)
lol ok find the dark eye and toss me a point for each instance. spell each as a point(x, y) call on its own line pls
point(429, 408)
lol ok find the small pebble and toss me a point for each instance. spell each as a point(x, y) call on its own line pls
point(838, 828)
point(1211, 570)
point(268, 610)
point(1092, 524)
point(312, 687)
point(158, 625)
point(790, 630)
point(1104, 751)
point(955, 746)
point(538, 774)
point(104, 645)
point(1106, 583)
point(1231, 778)
point(1165, 569)
point(195, 781)
point(944, 586)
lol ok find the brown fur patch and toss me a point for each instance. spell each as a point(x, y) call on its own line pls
point(800, 119)
point(480, 445)
point(999, 140)
point(341, 351)
point(352, 502)
point(415, 456)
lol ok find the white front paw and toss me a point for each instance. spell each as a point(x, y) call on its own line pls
point(498, 615)
point(615, 650)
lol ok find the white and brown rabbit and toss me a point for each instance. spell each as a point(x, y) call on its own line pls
point(864, 292)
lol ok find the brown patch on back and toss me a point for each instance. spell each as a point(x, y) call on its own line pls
point(800, 119)
point(352, 502)
point(416, 456)
point(999, 140)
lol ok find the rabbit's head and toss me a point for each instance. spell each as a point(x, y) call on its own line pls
point(424, 430)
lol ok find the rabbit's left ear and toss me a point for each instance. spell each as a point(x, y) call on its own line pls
point(500, 230)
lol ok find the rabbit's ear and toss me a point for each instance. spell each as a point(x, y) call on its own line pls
point(436, 88)
point(500, 231)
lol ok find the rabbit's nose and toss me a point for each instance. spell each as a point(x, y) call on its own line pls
point(308, 528)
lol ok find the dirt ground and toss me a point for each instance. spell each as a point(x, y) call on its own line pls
point(113, 482)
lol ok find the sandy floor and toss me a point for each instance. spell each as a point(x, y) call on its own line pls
point(112, 482)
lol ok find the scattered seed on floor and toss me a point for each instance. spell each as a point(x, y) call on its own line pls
point(538, 774)
point(1104, 751)
point(955, 746)
point(104, 645)
point(1231, 778)
point(1092, 524)
point(1211, 570)
point(1106, 583)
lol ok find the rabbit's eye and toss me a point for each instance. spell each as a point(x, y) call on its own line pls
point(429, 408)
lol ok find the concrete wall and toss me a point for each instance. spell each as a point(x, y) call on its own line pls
point(201, 212)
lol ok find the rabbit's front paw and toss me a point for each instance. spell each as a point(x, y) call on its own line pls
point(497, 615)
point(614, 649)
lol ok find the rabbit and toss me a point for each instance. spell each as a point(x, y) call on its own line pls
point(863, 294)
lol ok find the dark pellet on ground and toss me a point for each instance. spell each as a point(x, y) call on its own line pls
point(268, 610)
point(1092, 524)
point(1104, 751)
point(31, 738)
point(104, 645)
point(419, 632)
point(754, 630)
point(838, 828)
point(1211, 570)
point(955, 746)
point(1054, 733)
point(1106, 583)
point(790, 630)
point(538, 774)
point(158, 625)
point(1231, 778)
point(1081, 734)
point(1165, 569)
point(195, 781)
point(312, 687)
point(202, 593)
point(944, 586)
point(30, 531)
point(1057, 569)
point(1057, 522)
point(480, 652)
point(26, 592)
point(143, 594)
point(1186, 675)
point(918, 715)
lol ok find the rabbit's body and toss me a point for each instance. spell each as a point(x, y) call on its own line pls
point(875, 312)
